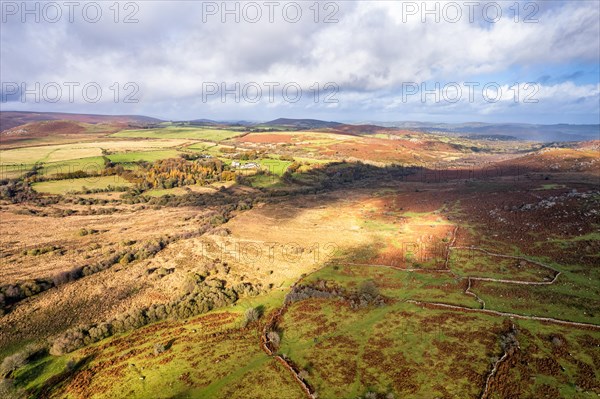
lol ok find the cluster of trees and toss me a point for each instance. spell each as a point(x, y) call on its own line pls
point(366, 295)
point(193, 156)
point(319, 178)
point(16, 191)
point(12, 293)
point(221, 198)
point(317, 290)
point(178, 172)
point(19, 190)
point(205, 296)
point(107, 189)
point(247, 156)
point(20, 359)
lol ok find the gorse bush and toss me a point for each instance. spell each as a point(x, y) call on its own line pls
point(302, 292)
point(13, 293)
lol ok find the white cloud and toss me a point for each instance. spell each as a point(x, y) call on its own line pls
point(373, 49)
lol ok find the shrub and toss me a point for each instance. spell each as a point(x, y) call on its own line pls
point(12, 291)
point(252, 315)
point(303, 374)
point(273, 338)
point(302, 292)
point(162, 272)
point(368, 288)
point(67, 276)
point(68, 342)
point(100, 331)
point(508, 340)
point(19, 359)
point(13, 362)
point(70, 366)
point(158, 349)
point(127, 258)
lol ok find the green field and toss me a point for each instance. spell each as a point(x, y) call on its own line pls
point(274, 166)
point(262, 181)
point(88, 164)
point(195, 133)
point(76, 185)
point(148, 156)
point(77, 160)
point(57, 153)
point(210, 148)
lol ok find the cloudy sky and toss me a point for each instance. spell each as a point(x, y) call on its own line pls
point(534, 62)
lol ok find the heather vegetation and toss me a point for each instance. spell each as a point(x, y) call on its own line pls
point(223, 262)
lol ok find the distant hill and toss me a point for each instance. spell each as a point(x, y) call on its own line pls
point(10, 119)
point(204, 122)
point(491, 137)
point(475, 130)
point(363, 129)
point(522, 131)
point(301, 123)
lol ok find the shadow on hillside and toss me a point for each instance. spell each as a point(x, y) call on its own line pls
point(309, 189)
point(60, 380)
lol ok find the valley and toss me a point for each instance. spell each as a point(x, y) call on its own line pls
point(171, 260)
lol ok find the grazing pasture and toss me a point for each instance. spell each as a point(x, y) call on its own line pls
point(172, 132)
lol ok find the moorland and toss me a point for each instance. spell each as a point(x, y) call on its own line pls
point(293, 259)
